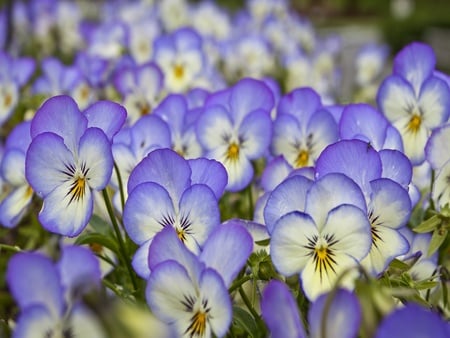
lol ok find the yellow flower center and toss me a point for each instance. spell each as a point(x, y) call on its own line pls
point(233, 152)
point(178, 71)
point(181, 234)
point(7, 100)
point(197, 328)
point(302, 159)
point(77, 189)
point(414, 123)
point(323, 260)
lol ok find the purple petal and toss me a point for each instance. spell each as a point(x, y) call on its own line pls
point(19, 137)
point(289, 196)
point(330, 191)
point(79, 270)
point(341, 319)
point(396, 166)
point(95, 155)
point(434, 102)
point(46, 163)
point(415, 63)
point(436, 148)
point(148, 133)
point(363, 122)
point(165, 167)
point(413, 320)
point(274, 173)
point(173, 110)
point(209, 172)
point(236, 245)
point(280, 311)
point(35, 321)
point(256, 133)
point(340, 158)
point(248, 95)
point(395, 98)
point(106, 115)
point(301, 103)
point(26, 268)
point(167, 246)
point(15, 206)
point(199, 214)
point(146, 209)
point(60, 115)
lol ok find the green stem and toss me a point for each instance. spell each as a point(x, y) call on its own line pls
point(122, 247)
point(119, 180)
point(7, 247)
point(239, 283)
point(250, 307)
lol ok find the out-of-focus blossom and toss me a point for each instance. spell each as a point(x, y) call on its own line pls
point(413, 99)
point(69, 156)
point(140, 87)
point(235, 128)
point(308, 235)
point(15, 204)
point(53, 305)
point(302, 128)
point(413, 321)
point(180, 56)
point(164, 191)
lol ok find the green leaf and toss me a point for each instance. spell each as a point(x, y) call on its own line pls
point(399, 265)
point(264, 242)
point(245, 321)
point(428, 225)
point(437, 239)
point(92, 238)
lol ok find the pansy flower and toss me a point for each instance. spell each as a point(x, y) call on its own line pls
point(182, 122)
point(413, 99)
point(388, 202)
point(319, 234)
point(166, 190)
point(302, 128)
point(180, 57)
point(140, 87)
point(52, 307)
point(69, 157)
point(235, 128)
point(190, 292)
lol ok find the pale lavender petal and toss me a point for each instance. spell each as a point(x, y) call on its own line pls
point(26, 268)
point(106, 115)
point(165, 167)
point(280, 311)
point(436, 148)
point(95, 155)
point(342, 318)
point(289, 196)
point(147, 210)
point(236, 245)
point(256, 133)
point(47, 160)
point(60, 115)
point(209, 172)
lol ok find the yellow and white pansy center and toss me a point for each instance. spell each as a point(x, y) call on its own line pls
point(414, 123)
point(77, 176)
point(232, 153)
point(198, 321)
point(323, 254)
point(178, 71)
point(302, 158)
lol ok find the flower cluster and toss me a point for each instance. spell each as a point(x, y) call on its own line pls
point(171, 169)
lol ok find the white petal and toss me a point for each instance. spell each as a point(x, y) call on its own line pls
point(314, 284)
point(289, 238)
